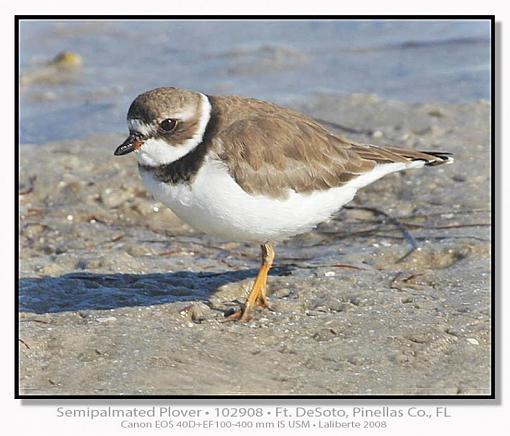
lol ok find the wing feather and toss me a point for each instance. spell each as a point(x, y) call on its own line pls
point(273, 150)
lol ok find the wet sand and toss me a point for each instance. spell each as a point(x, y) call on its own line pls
point(117, 296)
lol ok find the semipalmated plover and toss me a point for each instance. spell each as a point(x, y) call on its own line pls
point(247, 170)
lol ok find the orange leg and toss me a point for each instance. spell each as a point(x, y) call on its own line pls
point(258, 293)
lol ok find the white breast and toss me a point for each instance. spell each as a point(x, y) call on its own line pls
point(215, 204)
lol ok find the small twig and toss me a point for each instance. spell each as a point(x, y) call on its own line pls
point(407, 236)
point(30, 187)
point(394, 283)
point(116, 238)
point(404, 221)
point(24, 343)
point(412, 276)
point(405, 256)
point(345, 265)
point(171, 252)
point(347, 234)
point(35, 320)
point(447, 226)
point(96, 219)
point(424, 238)
point(34, 212)
point(415, 216)
point(450, 212)
point(314, 266)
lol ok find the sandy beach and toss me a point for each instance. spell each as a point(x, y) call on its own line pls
point(117, 296)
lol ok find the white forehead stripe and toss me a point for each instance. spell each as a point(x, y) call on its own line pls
point(139, 126)
point(187, 114)
point(154, 152)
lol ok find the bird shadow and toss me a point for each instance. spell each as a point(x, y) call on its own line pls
point(92, 291)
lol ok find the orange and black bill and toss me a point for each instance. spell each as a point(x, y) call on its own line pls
point(132, 143)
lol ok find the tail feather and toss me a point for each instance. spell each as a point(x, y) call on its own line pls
point(439, 158)
point(431, 158)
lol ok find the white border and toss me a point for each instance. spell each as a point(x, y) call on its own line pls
point(470, 418)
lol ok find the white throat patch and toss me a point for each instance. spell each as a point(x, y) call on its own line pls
point(155, 152)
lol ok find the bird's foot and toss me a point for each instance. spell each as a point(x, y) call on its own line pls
point(244, 313)
point(262, 301)
point(240, 315)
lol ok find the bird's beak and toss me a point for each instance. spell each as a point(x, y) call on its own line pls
point(132, 143)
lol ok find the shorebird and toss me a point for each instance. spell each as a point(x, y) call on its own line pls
point(248, 170)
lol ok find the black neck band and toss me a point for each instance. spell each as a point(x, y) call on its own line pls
point(185, 168)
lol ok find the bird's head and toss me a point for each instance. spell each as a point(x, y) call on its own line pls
point(164, 125)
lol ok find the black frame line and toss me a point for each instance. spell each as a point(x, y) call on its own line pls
point(494, 196)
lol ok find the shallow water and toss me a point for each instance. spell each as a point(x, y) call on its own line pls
point(282, 61)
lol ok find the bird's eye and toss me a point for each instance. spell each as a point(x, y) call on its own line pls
point(168, 125)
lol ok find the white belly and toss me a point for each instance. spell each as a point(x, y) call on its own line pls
point(215, 204)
